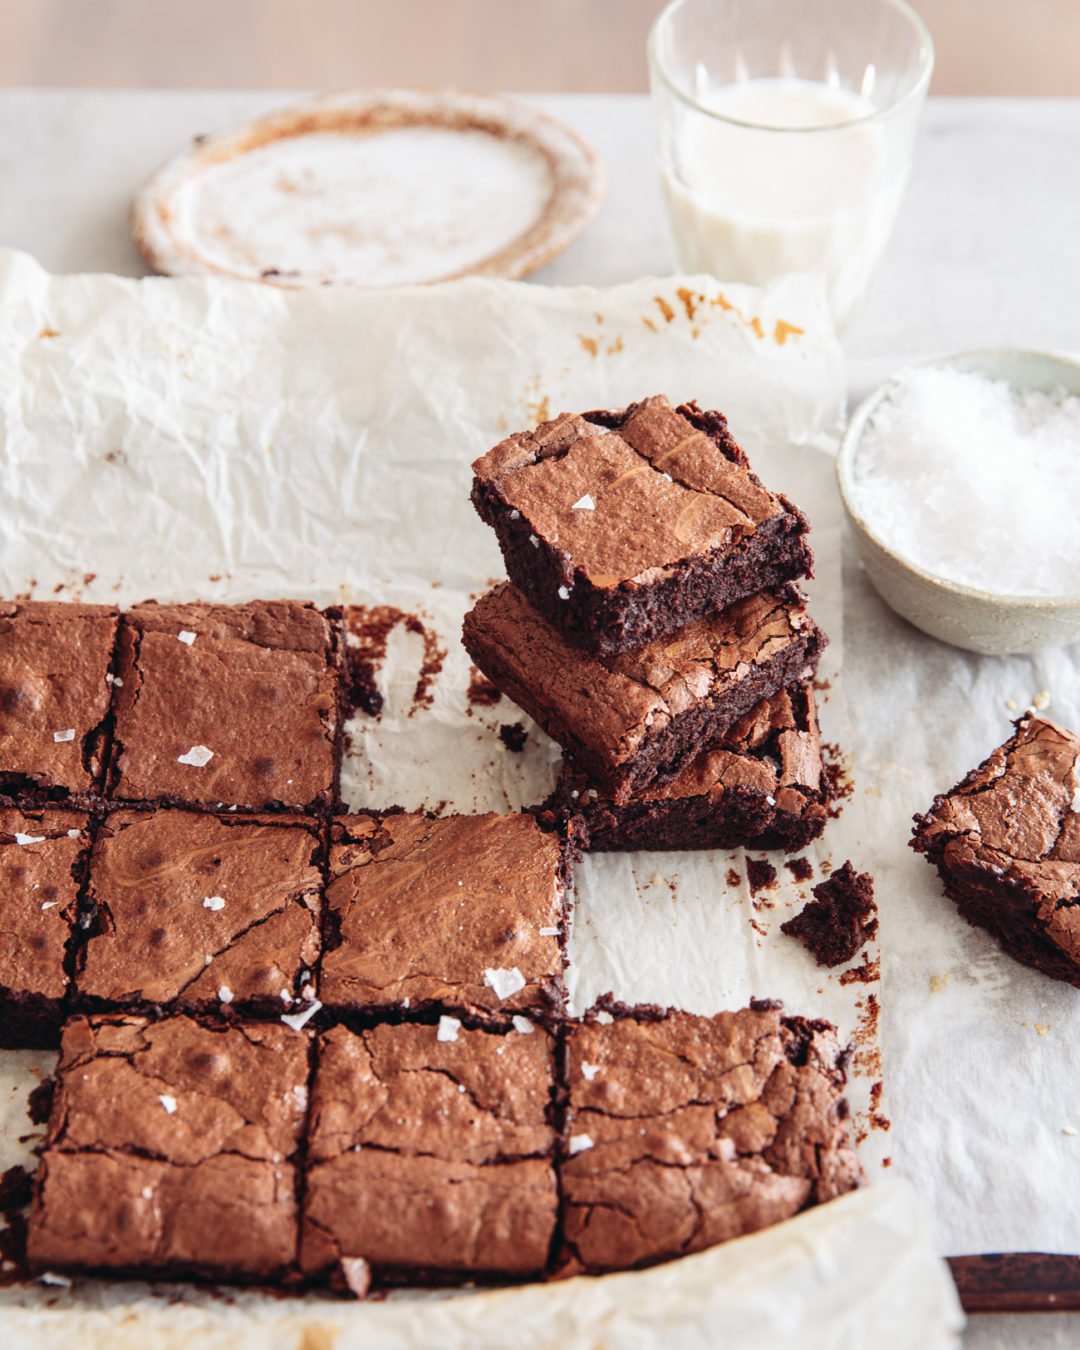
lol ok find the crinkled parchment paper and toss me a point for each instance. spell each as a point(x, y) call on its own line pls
point(189, 438)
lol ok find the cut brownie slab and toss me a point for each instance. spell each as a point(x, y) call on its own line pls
point(761, 787)
point(463, 912)
point(42, 867)
point(54, 696)
point(192, 910)
point(623, 526)
point(640, 718)
point(233, 705)
point(686, 1131)
point(171, 1150)
point(431, 1152)
point(1006, 841)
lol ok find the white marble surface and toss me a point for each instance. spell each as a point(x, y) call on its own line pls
point(984, 251)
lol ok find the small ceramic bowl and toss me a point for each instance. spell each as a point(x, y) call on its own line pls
point(977, 620)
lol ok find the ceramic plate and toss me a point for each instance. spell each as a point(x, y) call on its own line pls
point(373, 189)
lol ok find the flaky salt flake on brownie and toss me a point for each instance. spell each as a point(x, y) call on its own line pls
point(640, 718)
point(839, 920)
point(638, 521)
point(1006, 841)
point(686, 1131)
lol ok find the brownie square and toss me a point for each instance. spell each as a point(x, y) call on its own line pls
point(42, 866)
point(431, 1152)
point(642, 717)
point(189, 911)
point(1006, 841)
point(228, 705)
point(620, 527)
point(683, 1131)
point(761, 787)
point(171, 1150)
point(462, 912)
point(54, 696)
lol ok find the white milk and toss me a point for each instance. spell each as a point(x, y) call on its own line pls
point(748, 204)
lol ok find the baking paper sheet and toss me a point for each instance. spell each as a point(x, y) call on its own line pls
point(181, 439)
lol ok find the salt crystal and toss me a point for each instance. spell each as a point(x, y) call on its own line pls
point(549, 932)
point(974, 481)
point(505, 983)
point(213, 902)
point(298, 1021)
point(564, 594)
point(73, 834)
point(169, 1103)
point(51, 1277)
point(585, 503)
point(225, 994)
point(589, 1070)
point(534, 541)
point(523, 1025)
point(29, 838)
point(68, 735)
point(198, 756)
point(515, 515)
point(448, 1028)
point(49, 904)
point(186, 637)
point(579, 1143)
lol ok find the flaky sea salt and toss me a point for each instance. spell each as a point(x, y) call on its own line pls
point(522, 1025)
point(29, 838)
point(169, 1103)
point(584, 503)
point(198, 756)
point(186, 636)
point(68, 734)
point(504, 982)
point(589, 1071)
point(298, 1021)
point(579, 1143)
point(448, 1028)
point(213, 902)
point(974, 482)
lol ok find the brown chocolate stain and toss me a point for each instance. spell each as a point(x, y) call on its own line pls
point(784, 330)
point(759, 928)
point(49, 333)
point(689, 300)
point(481, 693)
point(590, 344)
point(733, 878)
point(649, 324)
point(371, 626)
point(665, 308)
point(616, 345)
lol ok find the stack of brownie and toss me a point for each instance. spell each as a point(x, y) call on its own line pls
point(651, 626)
point(302, 1045)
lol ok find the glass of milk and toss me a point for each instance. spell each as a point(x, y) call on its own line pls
point(785, 131)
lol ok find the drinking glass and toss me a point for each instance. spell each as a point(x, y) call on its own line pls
point(785, 131)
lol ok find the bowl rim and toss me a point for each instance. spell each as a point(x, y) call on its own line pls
point(845, 473)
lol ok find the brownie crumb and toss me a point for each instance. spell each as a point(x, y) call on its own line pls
point(513, 735)
point(733, 878)
point(841, 918)
point(39, 1102)
point(16, 1189)
point(800, 868)
point(760, 874)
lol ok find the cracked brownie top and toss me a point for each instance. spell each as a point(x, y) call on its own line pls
point(227, 704)
point(685, 1131)
point(202, 910)
point(463, 911)
point(621, 502)
point(54, 693)
point(179, 1090)
point(1007, 842)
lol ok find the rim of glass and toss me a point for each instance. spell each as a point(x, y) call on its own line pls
point(915, 90)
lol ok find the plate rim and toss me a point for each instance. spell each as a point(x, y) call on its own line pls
point(577, 174)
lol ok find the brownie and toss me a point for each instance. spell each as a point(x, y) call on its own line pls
point(842, 917)
point(640, 718)
point(189, 911)
point(760, 787)
point(55, 677)
point(171, 1150)
point(686, 1131)
point(621, 527)
point(1006, 841)
point(228, 705)
point(42, 867)
point(431, 1152)
point(462, 912)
